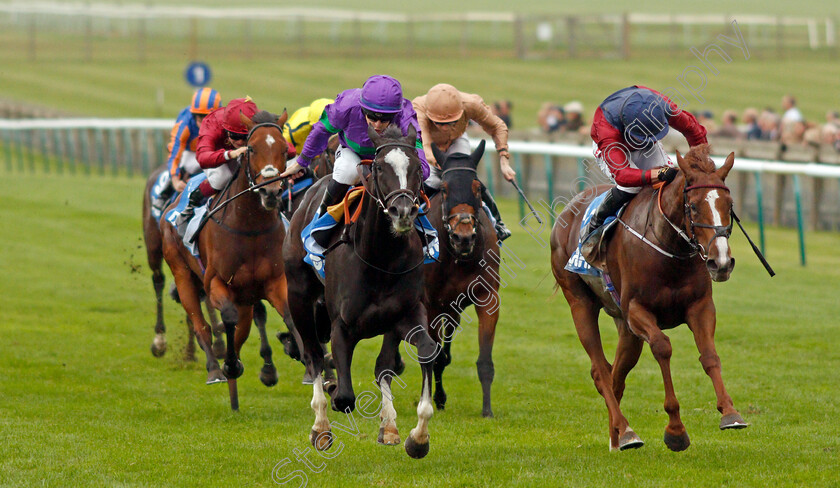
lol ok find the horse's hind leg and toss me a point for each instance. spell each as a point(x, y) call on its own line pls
point(488, 317)
point(386, 365)
point(218, 329)
point(189, 349)
point(158, 282)
point(702, 324)
point(585, 316)
point(644, 324)
point(443, 330)
point(626, 356)
point(268, 373)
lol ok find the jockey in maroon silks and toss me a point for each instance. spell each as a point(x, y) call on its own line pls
point(221, 140)
point(626, 130)
point(378, 104)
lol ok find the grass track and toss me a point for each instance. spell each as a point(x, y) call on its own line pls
point(85, 404)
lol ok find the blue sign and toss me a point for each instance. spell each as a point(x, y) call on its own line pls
point(198, 74)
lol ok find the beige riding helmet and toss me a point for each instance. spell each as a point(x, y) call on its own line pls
point(443, 103)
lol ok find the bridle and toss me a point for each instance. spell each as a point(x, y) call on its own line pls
point(375, 191)
point(720, 230)
point(462, 217)
point(269, 172)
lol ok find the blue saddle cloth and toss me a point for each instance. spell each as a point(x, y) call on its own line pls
point(315, 252)
point(163, 182)
point(576, 262)
point(299, 186)
point(192, 226)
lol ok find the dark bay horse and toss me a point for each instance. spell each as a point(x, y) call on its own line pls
point(154, 255)
point(374, 286)
point(240, 249)
point(689, 222)
point(468, 271)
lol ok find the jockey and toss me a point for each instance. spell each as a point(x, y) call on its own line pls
point(300, 123)
point(221, 140)
point(443, 114)
point(626, 130)
point(181, 161)
point(378, 104)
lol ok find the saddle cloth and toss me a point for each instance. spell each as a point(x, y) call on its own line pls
point(335, 215)
point(187, 229)
point(577, 263)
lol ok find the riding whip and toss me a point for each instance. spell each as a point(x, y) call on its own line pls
point(522, 194)
point(755, 249)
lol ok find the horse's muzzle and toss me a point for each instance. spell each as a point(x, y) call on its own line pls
point(463, 243)
point(402, 214)
point(720, 269)
point(269, 198)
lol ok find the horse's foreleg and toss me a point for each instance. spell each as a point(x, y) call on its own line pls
point(442, 329)
point(488, 317)
point(644, 324)
point(232, 316)
point(626, 357)
point(268, 373)
point(386, 365)
point(321, 435)
point(585, 317)
point(417, 443)
point(343, 345)
point(218, 329)
point(702, 323)
point(188, 292)
point(158, 282)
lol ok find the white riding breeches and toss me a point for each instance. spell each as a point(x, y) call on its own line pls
point(219, 176)
point(189, 164)
point(344, 168)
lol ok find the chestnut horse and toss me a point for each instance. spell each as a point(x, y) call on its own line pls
point(154, 255)
point(469, 257)
point(240, 250)
point(374, 286)
point(671, 244)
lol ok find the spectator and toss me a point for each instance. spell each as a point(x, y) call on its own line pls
point(793, 132)
point(707, 120)
point(574, 117)
point(551, 117)
point(752, 129)
point(501, 109)
point(728, 127)
point(769, 123)
point(792, 114)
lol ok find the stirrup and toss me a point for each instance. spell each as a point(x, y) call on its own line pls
point(502, 232)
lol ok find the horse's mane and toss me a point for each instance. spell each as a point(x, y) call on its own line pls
point(264, 117)
point(698, 159)
point(392, 132)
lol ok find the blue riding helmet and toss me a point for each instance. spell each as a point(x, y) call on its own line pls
point(644, 118)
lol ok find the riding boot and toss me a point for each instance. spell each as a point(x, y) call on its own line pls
point(334, 193)
point(429, 191)
point(502, 232)
point(196, 198)
point(611, 204)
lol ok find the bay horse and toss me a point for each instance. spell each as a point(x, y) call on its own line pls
point(468, 271)
point(374, 286)
point(240, 249)
point(154, 256)
point(671, 244)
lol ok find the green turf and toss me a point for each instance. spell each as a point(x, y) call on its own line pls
point(84, 403)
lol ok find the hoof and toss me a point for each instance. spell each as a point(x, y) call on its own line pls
point(629, 440)
point(390, 437)
point(733, 421)
point(159, 346)
point(189, 354)
point(307, 378)
point(268, 375)
point(215, 376)
point(440, 399)
point(219, 349)
point(677, 443)
point(233, 372)
point(487, 413)
point(321, 440)
point(415, 450)
point(330, 386)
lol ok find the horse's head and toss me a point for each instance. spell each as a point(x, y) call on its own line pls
point(267, 151)
point(395, 176)
point(460, 197)
point(708, 207)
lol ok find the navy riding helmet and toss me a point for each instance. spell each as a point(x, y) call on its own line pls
point(644, 117)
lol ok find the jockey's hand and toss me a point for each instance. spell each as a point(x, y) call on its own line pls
point(178, 183)
point(507, 170)
point(292, 169)
point(235, 153)
point(666, 174)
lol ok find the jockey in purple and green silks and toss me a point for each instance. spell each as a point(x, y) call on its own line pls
point(378, 104)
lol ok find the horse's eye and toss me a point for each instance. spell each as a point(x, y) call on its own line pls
point(693, 208)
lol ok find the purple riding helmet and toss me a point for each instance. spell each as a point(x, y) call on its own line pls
point(382, 94)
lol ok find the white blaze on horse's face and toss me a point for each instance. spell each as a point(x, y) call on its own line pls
point(721, 244)
point(399, 161)
point(269, 140)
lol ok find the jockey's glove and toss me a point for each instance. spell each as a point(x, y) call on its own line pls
point(666, 174)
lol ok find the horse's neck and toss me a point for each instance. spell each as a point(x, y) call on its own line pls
point(376, 242)
point(247, 208)
point(672, 208)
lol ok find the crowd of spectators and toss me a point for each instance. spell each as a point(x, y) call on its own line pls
point(558, 119)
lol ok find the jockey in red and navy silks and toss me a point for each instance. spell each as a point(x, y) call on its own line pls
point(626, 130)
point(378, 104)
point(182, 140)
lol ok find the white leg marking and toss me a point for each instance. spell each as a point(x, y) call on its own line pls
point(399, 161)
point(424, 413)
point(388, 416)
point(319, 405)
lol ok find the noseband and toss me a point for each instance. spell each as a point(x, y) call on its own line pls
point(269, 172)
point(720, 230)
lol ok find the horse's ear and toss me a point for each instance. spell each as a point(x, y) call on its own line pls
point(478, 153)
point(374, 137)
point(724, 170)
point(411, 136)
point(245, 120)
point(682, 163)
point(283, 118)
point(439, 155)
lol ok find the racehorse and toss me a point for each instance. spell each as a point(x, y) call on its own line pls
point(468, 271)
point(154, 254)
point(240, 252)
point(322, 165)
point(671, 244)
point(374, 286)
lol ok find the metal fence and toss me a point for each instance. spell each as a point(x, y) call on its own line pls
point(89, 31)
